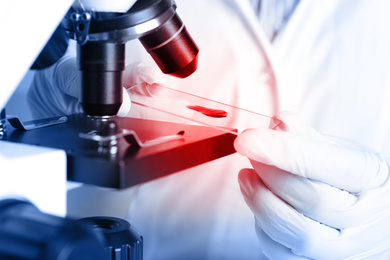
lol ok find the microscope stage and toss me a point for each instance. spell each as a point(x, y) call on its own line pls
point(130, 165)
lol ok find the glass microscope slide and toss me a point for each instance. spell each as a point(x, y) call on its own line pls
point(157, 102)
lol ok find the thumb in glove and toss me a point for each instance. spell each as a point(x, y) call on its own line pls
point(315, 196)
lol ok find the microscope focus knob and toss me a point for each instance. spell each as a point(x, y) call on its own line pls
point(122, 241)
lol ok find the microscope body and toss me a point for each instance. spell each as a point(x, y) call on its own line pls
point(101, 41)
point(98, 146)
point(88, 149)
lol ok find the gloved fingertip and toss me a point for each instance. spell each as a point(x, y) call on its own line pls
point(277, 124)
point(242, 141)
point(282, 121)
point(261, 145)
point(249, 182)
point(249, 142)
point(151, 74)
point(287, 122)
point(126, 104)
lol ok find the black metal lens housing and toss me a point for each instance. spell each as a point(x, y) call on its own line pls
point(101, 64)
point(172, 48)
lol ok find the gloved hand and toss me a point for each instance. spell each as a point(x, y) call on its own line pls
point(315, 196)
point(56, 90)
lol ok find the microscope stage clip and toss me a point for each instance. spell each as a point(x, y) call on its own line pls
point(131, 137)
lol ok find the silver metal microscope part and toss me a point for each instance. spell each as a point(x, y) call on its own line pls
point(121, 35)
point(3, 124)
point(130, 136)
point(16, 123)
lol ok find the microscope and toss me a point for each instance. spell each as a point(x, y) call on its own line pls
point(104, 149)
point(101, 148)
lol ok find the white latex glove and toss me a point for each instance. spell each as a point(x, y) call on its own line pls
point(56, 90)
point(313, 196)
point(148, 89)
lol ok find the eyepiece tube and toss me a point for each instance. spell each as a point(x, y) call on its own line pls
point(172, 48)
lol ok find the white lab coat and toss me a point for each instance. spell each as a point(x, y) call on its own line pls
point(332, 67)
point(334, 58)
